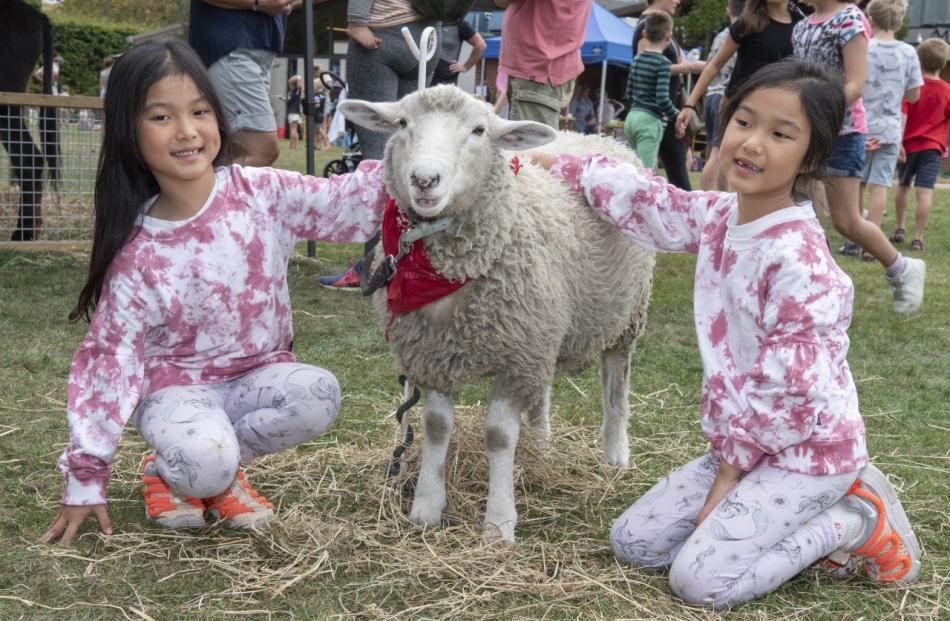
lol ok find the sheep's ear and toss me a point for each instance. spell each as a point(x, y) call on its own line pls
point(380, 117)
point(520, 135)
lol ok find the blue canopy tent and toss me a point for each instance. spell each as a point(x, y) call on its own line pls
point(607, 39)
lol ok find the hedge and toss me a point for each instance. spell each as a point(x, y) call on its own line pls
point(83, 43)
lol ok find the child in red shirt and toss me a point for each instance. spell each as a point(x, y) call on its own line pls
point(925, 140)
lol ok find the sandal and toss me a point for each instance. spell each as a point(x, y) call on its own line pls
point(898, 236)
point(867, 257)
point(850, 249)
point(917, 245)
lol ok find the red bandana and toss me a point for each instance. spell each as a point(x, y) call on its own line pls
point(415, 283)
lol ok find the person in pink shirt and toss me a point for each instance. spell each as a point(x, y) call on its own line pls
point(541, 54)
point(190, 322)
point(786, 481)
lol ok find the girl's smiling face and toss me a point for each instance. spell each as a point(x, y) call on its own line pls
point(177, 133)
point(764, 144)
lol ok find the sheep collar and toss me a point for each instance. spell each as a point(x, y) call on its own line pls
point(414, 282)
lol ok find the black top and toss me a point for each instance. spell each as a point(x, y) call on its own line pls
point(451, 44)
point(672, 52)
point(759, 49)
point(293, 101)
point(215, 32)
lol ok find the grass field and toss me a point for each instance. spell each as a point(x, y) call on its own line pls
point(342, 546)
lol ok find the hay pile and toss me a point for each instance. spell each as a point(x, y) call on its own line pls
point(343, 527)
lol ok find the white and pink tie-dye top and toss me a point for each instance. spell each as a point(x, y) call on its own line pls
point(202, 301)
point(771, 308)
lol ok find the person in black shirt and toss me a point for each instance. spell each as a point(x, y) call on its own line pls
point(449, 68)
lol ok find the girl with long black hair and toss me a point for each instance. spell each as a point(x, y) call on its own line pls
point(190, 320)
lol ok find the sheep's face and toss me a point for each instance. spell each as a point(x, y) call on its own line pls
point(443, 146)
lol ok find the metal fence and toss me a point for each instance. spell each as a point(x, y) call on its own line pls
point(37, 207)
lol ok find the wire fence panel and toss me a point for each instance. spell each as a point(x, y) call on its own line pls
point(48, 167)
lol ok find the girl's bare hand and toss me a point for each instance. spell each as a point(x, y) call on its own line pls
point(364, 36)
point(70, 518)
point(726, 480)
point(543, 159)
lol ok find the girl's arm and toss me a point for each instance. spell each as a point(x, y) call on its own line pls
point(343, 208)
point(855, 56)
point(713, 67)
point(657, 215)
point(788, 388)
point(105, 383)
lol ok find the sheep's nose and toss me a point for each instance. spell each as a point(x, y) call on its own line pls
point(424, 182)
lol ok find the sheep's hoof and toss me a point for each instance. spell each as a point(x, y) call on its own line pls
point(618, 456)
point(493, 532)
point(424, 514)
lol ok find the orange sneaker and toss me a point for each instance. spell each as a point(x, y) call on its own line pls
point(165, 507)
point(888, 546)
point(240, 506)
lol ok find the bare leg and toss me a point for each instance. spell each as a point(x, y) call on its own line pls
point(843, 194)
point(878, 201)
point(438, 419)
point(615, 384)
point(501, 438)
point(294, 136)
point(900, 204)
point(815, 191)
point(254, 148)
point(711, 170)
point(924, 203)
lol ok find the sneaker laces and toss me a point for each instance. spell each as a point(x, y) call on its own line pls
point(887, 558)
point(228, 504)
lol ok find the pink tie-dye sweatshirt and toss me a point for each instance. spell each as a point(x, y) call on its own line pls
point(203, 301)
point(771, 308)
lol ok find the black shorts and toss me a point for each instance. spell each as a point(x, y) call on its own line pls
point(922, 165)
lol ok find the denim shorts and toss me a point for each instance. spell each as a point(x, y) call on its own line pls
point(847, 160)
point(924, 165)
point(879, 165)
point(711, 119)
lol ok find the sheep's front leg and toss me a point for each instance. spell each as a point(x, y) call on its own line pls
point(438, 418)
point(539, 421)
point(501, 438)
point(615, 386)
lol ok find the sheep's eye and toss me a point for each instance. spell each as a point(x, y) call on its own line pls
point(402, 124)
point(479, 131)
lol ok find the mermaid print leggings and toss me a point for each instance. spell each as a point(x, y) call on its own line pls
point(201, 434)
point(769, 528)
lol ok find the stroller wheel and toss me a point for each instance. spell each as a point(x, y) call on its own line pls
point(336, 167)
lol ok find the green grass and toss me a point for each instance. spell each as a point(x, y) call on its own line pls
point(901, 366)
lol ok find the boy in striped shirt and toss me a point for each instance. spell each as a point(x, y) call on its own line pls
point(648, 89)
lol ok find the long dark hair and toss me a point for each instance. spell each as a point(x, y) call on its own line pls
point(821, 93)
point(124, 182)
point(754, 17)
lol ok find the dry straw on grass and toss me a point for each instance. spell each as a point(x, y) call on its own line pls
point(342, 524)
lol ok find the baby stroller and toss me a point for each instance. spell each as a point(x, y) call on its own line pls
point(340, 127)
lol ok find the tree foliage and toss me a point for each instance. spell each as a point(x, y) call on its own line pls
point(83, 43)
point(700, 21)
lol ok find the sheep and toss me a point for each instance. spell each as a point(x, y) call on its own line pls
point(550, 285)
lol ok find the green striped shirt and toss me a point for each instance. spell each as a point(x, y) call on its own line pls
point(648, 87)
